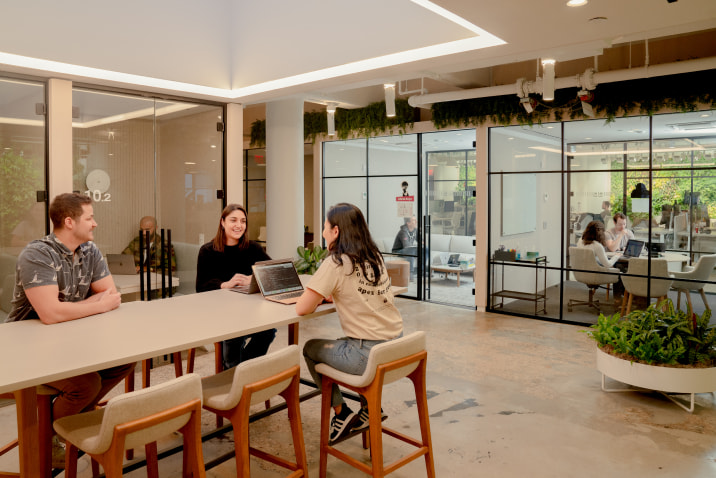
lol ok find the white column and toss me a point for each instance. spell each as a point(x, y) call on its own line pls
point(482, 218)
point(59, 127)
point(234, 153)
point(284, 177)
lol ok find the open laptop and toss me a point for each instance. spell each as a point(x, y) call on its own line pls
point(633, 248)
point(454, 260)
point(251, 288)
point(278, 280)
point(121, 264)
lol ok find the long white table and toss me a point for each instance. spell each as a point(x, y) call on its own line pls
point(33, 353)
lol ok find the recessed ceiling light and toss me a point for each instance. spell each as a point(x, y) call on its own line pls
point(576, 3)
point(587, 138)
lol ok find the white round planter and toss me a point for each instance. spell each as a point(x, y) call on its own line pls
point(664, 379)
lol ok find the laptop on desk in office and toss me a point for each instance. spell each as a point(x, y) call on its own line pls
point(251, 288)
point(278, 280)
point(121, 264)
point(633, 248)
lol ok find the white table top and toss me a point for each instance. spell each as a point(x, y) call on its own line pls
point(32, 353)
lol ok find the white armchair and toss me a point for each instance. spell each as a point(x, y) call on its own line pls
point(582, 259)
point(700, 272)
point(643, 286)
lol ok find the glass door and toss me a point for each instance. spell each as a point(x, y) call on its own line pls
point(449, 187)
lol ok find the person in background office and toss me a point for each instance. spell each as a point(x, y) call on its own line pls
point(62, 277)
point(149, 223)
point(226, 262)
point(354, 277)
point(406, 241)
point(618, 236)
point(594, 239)
point(406, 237)
point(640, 191)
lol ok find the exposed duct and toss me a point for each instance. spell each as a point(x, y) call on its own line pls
point(587, 81)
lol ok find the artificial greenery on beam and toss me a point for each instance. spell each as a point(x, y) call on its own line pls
point(368, 121)
point(684, 92)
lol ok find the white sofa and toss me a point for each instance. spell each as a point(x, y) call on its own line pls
point(441, 247)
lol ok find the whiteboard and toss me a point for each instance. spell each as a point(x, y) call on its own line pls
point(519, 203)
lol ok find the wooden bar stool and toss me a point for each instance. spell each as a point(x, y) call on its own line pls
point(231, 393)
point(45, 394)
point(387, 362)
point(137, 419)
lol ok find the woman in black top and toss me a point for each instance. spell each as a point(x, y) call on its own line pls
point(226, 262)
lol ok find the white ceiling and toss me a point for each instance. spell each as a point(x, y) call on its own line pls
point(238, 51)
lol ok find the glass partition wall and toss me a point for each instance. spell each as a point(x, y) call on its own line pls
point(655, 176)
point(417, 193)
point(138, 156)
point(23, 206)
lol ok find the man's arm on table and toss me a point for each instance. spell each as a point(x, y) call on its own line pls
point(45, 300)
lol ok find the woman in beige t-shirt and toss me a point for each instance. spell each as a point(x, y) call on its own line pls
point(354, 277)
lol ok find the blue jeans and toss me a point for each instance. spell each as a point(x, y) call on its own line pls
point(247, 347)
point(345, 354)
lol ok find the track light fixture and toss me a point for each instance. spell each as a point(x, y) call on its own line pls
point(331, 112)
point(548, 79)
point(528, 104)
point(389, 99)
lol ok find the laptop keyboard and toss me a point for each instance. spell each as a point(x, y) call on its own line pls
point(287, 295)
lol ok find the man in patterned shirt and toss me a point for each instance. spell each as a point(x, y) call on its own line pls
point(64, 277)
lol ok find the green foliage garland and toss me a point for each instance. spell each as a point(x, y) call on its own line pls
point(368, 121)
point(682, 93)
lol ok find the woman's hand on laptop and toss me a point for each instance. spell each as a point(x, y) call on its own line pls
point(236, 280)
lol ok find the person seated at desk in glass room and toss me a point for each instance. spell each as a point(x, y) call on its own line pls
point(149, 223)
point(606, 211)
point(406, 240)
point(594, 239)
point(618, 236)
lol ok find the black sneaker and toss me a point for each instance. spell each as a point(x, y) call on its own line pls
point(342, 423)
point(362, 422)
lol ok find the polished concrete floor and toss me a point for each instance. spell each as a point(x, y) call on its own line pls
point(508, 397)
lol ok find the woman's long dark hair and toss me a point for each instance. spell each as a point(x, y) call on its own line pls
point(593, 232)
point(220, 237)
point(354, 240)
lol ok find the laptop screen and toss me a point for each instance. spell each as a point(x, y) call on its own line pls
point(633, 248)
point(277, 277)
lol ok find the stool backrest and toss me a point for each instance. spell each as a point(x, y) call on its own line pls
point(143, 403)
point(392, 351)
point(261, 368)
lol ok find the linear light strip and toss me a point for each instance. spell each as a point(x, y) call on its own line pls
point(617, 153)
point(482, 40)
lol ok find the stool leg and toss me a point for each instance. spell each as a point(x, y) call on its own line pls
point(44, 421)
point(150, 451)
point(325, 425)
point(218, 367)
point(190, 360)
point(177, 364)
point(291, 396)
point(421, 400)
point(373, 397)
point(70, 460)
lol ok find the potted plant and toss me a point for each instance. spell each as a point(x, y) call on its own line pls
point(659, 348)
point(309, 259)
